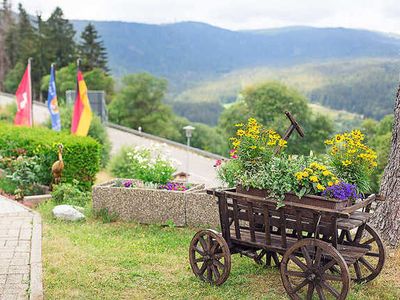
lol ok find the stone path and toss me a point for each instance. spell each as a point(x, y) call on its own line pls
point(20, 252)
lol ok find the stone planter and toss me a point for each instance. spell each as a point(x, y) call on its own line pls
point(192, 207)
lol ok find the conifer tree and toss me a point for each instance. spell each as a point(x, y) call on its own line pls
point(92, 50)
point(60, 46)
point(5, 25)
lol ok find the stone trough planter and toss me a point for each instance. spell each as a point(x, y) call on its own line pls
point(192, 207)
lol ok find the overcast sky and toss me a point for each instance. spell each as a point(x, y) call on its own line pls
point(381, 15)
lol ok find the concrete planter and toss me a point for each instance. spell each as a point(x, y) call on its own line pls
point(151, 206)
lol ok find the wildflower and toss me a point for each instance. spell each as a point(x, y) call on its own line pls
point(239, 125)
point(320, 187)
point(346, 163)
point(330, 183)
point(313, 178)
point(338, 138)
point(328, 142)
point(253, 147)
point(218, 162)
point(305, 174)
point(240, 132)
point(326, 173)
point(299, 175)
point(282, 143)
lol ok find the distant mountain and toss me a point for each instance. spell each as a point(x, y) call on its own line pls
point(189, 50)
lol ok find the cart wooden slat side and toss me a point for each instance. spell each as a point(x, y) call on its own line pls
point(327, 239)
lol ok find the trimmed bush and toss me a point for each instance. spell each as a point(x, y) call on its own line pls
point(81, 155)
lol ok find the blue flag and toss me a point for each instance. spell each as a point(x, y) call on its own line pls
point(52, 102)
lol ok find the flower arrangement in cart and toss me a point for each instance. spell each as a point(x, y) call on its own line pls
point(259, 161)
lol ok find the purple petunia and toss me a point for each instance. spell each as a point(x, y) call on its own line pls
point(127, 183)
point(341, 191)
point(173, 186)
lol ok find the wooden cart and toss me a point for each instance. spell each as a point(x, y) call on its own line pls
point(322, 249)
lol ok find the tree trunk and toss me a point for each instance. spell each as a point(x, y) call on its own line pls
point(387, 216)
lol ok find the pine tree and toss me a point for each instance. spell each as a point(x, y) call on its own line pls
point(6, 22)
point(59, 33)
point(92, 50)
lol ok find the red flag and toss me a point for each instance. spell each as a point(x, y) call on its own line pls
point(24, 99)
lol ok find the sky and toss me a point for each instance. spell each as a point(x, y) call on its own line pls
point(379, 15)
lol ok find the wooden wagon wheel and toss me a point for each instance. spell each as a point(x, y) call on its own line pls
point(305, 271)
point(210, 257)
point(267, 258)
point(371, 264)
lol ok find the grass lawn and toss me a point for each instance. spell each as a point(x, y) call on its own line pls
point(92, 260)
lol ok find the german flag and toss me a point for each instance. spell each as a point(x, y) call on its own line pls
point(82, 115)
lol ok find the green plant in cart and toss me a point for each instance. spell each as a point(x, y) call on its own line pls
point(352, 160)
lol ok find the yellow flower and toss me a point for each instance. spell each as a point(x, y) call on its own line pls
point(282, 143)
point(236, 143)
point(346, 162)
point(320, 187)
point(338, 138)
point(328, 142)
point(240, 132)
point(330, 183)
point(239, 125)
point(305, 174)
point(314, 178)
point(253, 147)
point(271, 143)
point(326, 173)
point(299, 175)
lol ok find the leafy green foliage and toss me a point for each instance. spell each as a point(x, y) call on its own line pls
point(97, 131)
point(147, 165)
point(139, 104)
point(268, 102)
point(25, 174)
point(81, 154)
point(70, 193)
point(7, 112)
point(95, 79)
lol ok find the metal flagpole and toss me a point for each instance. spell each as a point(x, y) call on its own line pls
point(30, 89)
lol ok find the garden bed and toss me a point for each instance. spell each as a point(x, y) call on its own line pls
point(191, 207)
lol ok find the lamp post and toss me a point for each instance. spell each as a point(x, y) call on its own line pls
point(188, 130)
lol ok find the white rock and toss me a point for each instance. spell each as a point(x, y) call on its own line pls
point(67, 213)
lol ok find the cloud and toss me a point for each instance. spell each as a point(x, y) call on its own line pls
point(381, 15)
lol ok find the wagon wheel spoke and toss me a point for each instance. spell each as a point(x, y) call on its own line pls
point(209, 273)
point(218, 256)
point(358, 270)
point(214, 247)
point(332, 277)
point(299, 263)
point(306, 255)
point(330, 289)
point(200, 259)
point(295, 274)
point(367, 264)
point(317, 260)
point(370, 241)
point(209, 242)
point(218, 264)
point(203, 268)
point(215, 272)
point(373, 254)
point(328, 265)
point(300, 286)
point(310, 290)
point(200, 251)
point(320, 292)
point(203, 243)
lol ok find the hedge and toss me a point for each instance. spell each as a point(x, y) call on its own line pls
point(81, 155)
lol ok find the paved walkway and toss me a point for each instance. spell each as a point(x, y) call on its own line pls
point(20, 252)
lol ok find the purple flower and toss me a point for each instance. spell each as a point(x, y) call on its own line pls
point(341, 191)
point(127, 183)
point(173, 186)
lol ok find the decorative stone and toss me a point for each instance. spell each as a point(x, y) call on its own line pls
point(67, 213)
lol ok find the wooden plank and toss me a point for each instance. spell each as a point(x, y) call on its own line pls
point(283, 228)
point(299, 227)
point(236, 218)
point(267, 226)
point(251, 221)
point(361, 204)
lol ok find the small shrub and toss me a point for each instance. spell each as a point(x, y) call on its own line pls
point(147, 165)
point(96, 130)
point(67, 193)
point(24, 174)
point(7, 112)
point(81, 154)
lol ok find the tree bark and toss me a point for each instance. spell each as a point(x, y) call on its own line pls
point(386, 217)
